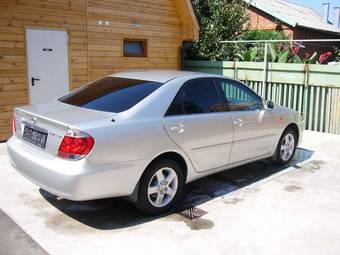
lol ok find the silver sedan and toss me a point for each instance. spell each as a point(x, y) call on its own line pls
point(145, 134)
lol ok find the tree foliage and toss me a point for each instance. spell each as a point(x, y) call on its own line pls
point(219, 20)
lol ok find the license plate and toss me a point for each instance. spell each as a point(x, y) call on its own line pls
point(35, 137)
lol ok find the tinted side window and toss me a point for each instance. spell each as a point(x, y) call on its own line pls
point(197, 96)
point(111, 94)
point(239, 97)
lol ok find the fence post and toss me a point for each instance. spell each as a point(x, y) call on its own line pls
point(235, 70)
point(265, 69)
point(305, 94)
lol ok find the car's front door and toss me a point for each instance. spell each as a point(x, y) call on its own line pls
point(254, 126)
point(197, 122)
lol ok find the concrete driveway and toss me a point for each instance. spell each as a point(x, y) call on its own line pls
point(255, 209)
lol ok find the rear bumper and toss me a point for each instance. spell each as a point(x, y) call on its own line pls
point(75, 180)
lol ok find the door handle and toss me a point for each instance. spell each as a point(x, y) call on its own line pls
point(33, 80)
point(179, 128)
point(238, 122)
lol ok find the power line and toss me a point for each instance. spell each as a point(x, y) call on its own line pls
point(278, 41)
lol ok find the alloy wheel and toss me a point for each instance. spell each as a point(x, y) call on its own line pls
point(287, 147)
point(162, 187)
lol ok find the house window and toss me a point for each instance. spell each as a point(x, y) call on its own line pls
point(134, 47)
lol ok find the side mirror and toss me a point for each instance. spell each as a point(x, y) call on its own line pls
point(270, 104)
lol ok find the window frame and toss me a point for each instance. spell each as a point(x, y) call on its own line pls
point(219, 92)
point(129, 55)
point(241, 86)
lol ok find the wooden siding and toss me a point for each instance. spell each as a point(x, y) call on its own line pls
point(94, 49)
point(157, 22)
point(15, 16)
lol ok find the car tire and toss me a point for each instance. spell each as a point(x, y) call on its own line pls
point(160, 187)
point(286, 147)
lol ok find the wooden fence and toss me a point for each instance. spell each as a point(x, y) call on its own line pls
point(313, 90)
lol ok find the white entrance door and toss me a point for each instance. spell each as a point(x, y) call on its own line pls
point(47, 54)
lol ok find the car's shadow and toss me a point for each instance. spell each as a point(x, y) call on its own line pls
point(106, 214)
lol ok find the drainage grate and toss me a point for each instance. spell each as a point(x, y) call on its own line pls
point(193, 213)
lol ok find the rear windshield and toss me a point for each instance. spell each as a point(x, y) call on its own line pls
point(111, 94)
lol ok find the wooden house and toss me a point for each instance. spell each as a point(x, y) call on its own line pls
point(49, 47)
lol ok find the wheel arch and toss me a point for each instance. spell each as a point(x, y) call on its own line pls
point(164, 155)
point(295, 127)
point(174, 156)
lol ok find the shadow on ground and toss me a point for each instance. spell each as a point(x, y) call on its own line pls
point(107, 214)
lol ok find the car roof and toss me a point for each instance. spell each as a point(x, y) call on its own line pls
point(157, 75)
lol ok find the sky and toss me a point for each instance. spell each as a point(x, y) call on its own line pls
point(317, 5)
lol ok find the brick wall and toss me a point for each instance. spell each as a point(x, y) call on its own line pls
point(261, 20)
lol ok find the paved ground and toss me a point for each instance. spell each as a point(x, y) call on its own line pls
point(14, 241)
point(254, 209)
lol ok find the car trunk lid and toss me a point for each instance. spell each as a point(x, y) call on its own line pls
point(53, 119)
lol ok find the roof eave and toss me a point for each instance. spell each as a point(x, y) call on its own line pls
point(320, 30)
point(194, 20)
point(189, 20)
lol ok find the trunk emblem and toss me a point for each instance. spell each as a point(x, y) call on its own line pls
point(33, 120)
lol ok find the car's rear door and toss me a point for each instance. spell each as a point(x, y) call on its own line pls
point(197, 122)
point(255, 127)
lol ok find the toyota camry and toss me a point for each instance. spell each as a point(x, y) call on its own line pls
point(144, 134)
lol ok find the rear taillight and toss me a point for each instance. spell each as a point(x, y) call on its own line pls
point(14, 124)
point(75, 145)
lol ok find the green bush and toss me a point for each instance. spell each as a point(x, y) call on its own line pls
point(261, 35)
point(264, 35)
